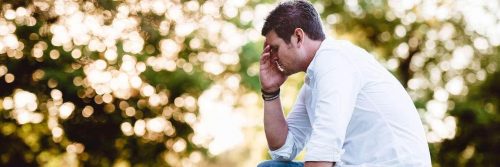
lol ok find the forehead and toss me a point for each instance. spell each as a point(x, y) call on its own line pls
point(273, 39)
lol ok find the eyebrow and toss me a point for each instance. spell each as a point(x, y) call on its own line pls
point(273, 46)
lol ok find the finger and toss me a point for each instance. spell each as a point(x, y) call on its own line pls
point(267, 49)
point(265, 57)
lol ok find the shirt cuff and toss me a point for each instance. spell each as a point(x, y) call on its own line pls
point(320, 152)
point(285, 153)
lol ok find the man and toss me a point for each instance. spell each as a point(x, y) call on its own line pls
point(350, 111)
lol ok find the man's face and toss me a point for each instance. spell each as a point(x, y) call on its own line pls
point(283, 55)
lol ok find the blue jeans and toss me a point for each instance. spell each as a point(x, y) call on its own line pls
point(275, 163)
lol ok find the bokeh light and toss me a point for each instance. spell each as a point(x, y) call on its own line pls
point(177, 81)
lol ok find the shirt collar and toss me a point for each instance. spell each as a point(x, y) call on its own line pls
point(310, 68)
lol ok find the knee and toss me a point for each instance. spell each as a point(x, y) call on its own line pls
point(273, 163)
point(276, 163)
point(267, 164)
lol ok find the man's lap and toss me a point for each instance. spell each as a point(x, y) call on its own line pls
point(275, 163)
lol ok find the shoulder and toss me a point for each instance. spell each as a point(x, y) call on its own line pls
point(333, 55)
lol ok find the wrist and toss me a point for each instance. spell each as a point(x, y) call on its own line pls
point(269, 96)
point(269, 90)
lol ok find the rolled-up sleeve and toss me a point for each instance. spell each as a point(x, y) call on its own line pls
point(287, 152)
point(335, 90)
point(299, 130)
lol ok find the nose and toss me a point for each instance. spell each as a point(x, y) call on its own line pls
point(275, 57)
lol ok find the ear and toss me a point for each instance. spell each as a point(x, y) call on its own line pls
point(299, 34)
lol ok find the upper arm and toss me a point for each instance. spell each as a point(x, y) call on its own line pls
point(335, 90)
point(298, 120)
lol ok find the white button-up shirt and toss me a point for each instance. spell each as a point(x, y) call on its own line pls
point(352, 111)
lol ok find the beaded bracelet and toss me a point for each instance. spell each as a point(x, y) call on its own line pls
point(268, 96)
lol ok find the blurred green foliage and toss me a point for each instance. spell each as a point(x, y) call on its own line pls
point(410, 45)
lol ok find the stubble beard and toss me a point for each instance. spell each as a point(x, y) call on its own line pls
point(280, 68)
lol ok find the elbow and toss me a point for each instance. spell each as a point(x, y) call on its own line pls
point(277, 143)
point(275, 147)
point(286, 154)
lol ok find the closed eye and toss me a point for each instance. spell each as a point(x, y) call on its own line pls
point(274, 50)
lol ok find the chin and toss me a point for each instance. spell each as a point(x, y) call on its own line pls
point(288, 73)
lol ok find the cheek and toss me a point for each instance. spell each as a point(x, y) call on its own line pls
point(283, 55)
point(287, 56)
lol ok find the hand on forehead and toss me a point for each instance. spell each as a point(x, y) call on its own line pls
point(267, 46)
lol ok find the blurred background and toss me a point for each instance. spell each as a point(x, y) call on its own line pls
point(175, 83)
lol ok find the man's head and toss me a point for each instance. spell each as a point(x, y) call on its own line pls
point(288, 16)
point(289, 29)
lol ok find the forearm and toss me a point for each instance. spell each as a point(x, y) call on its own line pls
point(318, 164)
point(275, 125)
